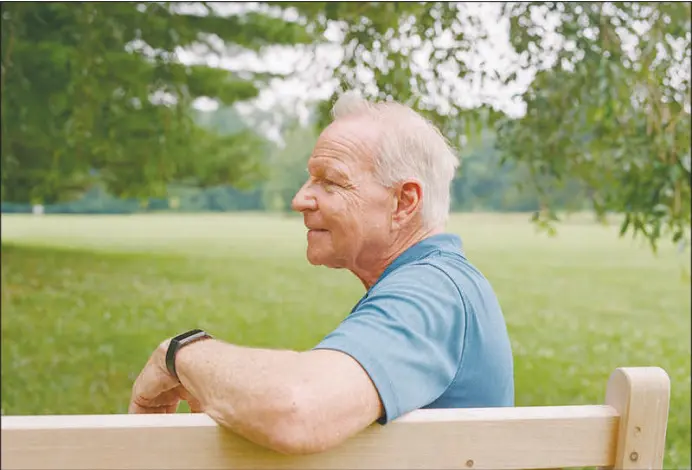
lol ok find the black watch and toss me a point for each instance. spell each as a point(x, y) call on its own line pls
point(177, 343)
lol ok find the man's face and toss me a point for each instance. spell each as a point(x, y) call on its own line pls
point(347, 212)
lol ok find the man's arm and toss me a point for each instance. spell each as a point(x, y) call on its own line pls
point(291, 402)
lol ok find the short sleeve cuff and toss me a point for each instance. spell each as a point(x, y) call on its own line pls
point(373, 368)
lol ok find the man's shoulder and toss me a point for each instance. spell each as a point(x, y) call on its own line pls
point(441, 274)
point(428, 278)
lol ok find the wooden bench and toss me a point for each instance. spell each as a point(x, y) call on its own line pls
point(628, 431)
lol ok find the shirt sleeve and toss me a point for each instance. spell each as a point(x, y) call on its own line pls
point(407, 335)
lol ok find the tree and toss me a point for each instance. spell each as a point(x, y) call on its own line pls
point(288, 167)
point(609, 104)
point(613, 109)
point(94, 91)
point(379, 42)
point(485, 183)
point(95, 87)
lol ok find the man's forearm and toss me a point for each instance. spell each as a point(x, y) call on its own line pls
point(241, 388)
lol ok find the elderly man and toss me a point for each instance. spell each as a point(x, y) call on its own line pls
point(428, 333)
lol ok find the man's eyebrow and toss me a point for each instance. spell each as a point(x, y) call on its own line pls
point(328, 170)
point(332, 171)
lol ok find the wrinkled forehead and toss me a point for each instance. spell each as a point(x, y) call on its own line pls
point(349, 142)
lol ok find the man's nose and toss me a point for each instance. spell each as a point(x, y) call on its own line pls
point(303, 200)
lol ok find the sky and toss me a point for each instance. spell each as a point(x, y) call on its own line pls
point(313, 83)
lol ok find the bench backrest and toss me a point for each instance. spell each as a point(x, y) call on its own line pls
point(628, 431)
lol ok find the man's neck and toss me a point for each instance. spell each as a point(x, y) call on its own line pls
point(371, 271)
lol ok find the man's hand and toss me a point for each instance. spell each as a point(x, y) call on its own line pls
point(156, 390)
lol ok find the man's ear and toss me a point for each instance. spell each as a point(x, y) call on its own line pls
point(408, 200)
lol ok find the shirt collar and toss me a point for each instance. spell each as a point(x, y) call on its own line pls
point(439, 242)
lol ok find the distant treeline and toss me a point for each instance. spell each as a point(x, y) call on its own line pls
point(482, 185)
point(484, 182)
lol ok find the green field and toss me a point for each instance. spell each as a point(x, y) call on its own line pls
point(86, 299)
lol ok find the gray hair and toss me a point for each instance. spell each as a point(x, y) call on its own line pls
point(410, 147)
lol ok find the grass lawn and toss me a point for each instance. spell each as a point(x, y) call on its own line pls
point(86, 299)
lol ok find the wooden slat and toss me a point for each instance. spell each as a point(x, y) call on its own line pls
point(500, 438)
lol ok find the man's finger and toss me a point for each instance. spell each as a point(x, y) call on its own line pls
point(139, 409)
point(194, 403)
point(154, 389)
point(167, 402)
point(195, 406)
point(153, 383)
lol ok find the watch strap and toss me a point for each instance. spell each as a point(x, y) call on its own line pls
point(179, 342)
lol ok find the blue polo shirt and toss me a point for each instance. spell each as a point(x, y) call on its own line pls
point(430, 333)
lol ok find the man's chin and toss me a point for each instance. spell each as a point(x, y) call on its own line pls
point(317, 258)
point(313, 261)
